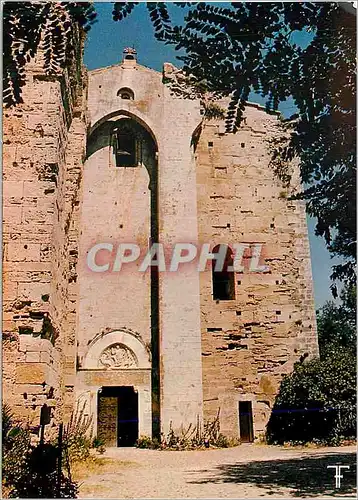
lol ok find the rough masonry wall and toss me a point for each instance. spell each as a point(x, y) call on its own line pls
point(41, 172)
point(249, 342)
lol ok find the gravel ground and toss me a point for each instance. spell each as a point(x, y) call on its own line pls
point(246, 471)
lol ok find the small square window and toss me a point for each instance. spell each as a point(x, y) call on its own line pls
point(210, 144)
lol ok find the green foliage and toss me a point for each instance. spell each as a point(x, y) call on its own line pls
point(336, 324)
point(148, 443)
point(191, 438)
point(213, 111)
point(15, 446)
point(98, 444)
point(31, 471)
point(245, 46)
point(223, 442)
point(54, 26)
point(234, 49)
point(317, 402)
point(38, 478)
point(77, 435)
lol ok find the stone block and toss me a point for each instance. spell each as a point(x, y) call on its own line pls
point(45, 357)
point(12, 214)
point(32, 357)
point(24, 251)
point(13, 189)
point(33, 291)
point(31, 373)
point(37, 216)
point(9, 290)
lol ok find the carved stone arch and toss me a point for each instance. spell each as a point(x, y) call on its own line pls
point(117, 349)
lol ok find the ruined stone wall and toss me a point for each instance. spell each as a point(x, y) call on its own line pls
point(249, 342)
point(44, 140)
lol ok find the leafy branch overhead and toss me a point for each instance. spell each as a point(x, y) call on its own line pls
point(245, 46)
point(235, 49)
point(29, 26)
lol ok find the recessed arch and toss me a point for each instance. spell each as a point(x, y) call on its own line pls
point(137, 116)
point(126, 93)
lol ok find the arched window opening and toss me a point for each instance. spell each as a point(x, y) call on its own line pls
point(126, 94)
point(223, 280)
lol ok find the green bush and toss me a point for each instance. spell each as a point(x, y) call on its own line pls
point(31, 471)
point(317, 402)
point(222, 441)
point(77, 435)
point(147, 442)
point(39, 476)
point(15, 448)
point(190, 438)
point(98, 444)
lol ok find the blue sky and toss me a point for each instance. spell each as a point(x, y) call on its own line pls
point(104, 47)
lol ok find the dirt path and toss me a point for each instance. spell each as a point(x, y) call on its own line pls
point(247, 471)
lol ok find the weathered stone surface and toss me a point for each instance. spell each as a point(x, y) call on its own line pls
point(208, 187)
point(31, 373)
point(41, 144)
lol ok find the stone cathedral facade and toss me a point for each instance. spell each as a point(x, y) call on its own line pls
point(119, 158)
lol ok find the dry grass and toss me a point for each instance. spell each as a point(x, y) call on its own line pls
point(90, 476)
point(97, 465)
point(95, 491)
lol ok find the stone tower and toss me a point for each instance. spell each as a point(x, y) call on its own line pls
point(144, 349)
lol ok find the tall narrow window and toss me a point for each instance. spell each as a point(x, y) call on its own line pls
point(224, 280)
point(125, 148)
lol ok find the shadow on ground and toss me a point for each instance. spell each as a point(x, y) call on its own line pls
point(305, 477)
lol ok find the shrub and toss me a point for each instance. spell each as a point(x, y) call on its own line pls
point(317, 401)
point(147, 442)
point(77, 435)
point(98, 444)
point(190, 438)
point(222, 441)
point(39, 477)
point(15, 447)
point(31, 471)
